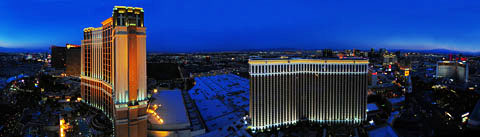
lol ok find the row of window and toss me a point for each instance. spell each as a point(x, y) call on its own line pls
point(285, 99)
point(107, 53)
point(87, 59)
point(93, 95)
point(308, 67)
point(105, 38)
point(125, 19)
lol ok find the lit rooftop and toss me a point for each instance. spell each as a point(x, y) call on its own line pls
point(126, 7)
point(172, 109)
point(298, 60)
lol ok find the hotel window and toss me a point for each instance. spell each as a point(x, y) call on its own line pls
point(260, 69)
point(137, 20)
point(250, 69)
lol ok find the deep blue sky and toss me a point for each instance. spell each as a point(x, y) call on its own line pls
point(206, 25)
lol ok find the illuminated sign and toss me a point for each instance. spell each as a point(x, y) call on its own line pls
point(407, 73)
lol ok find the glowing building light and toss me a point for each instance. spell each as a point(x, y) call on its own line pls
point(126, 86)
point(464, 119)
point(62, 127)
point(448, 114)
point(150, 111)
point(317, 69)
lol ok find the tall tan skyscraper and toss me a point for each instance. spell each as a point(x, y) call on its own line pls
point(286, 91)
point(113, 70)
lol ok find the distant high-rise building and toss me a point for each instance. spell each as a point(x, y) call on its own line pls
point(406, 79)
point(372, 52)
point(114, 70)
point(285, 91)
point(374, 78)
point(382, 51)
point(327, 53)
point(357, 53)
point(73, 60)
point(453, 69)
point(462, 71)
point(363, 54)
point(58, 57)
point(397, 53)
point(389, 59)
point(66, 59)
point(349, 52)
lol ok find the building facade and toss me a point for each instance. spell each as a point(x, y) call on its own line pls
point(113, 70)
point(389, 59)
point(285, 91)
point(73, 63)
point(453, 69)
point(374, 79)
point(58, 57)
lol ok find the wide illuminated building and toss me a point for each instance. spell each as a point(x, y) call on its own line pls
point(113, 70)
point(286, 91)
point(453, 69)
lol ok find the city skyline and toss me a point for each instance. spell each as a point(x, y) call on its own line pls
point(225, 26)
point(247, 68)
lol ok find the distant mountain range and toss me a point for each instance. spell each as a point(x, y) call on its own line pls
point(437, 51)
point(22, 50)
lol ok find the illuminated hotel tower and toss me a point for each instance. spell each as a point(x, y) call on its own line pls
point(285, 91)
point(114, 71)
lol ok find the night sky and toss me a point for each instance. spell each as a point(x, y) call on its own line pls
point(222, 25)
